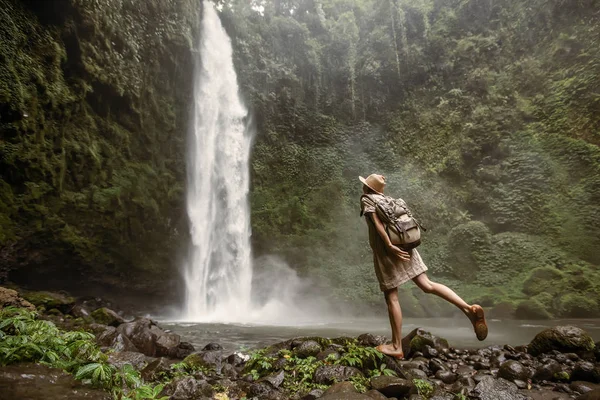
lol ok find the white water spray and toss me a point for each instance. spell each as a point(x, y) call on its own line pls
point(218, 273)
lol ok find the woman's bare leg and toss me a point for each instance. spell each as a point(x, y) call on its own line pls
point(395, 314)
point(473, 312)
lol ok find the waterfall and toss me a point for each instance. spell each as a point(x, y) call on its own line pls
point(218, 271)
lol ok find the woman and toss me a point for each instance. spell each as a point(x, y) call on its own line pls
point(394, 266)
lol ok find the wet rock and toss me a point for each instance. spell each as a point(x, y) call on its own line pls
point(547, 371)
point(416, 341)
point(375, 394)
point(308, 348)
point(275, 379)
point(591, 395)
point(366, 339)
point(513, 370)
point(137, 360)
point(149, 339)
point(187, 387)
point(37, 382)
point(10, 298)
point(494, 389)
point(183, 350)
point(156, 368)
point(107, 316)
point(209, 360)
point(328, 374)
point(341, 387)
point(430, 352)
point(345, 396)
point(80, 311)
point(446, 376)
point(105, 335)
point(237, 359)
point(583, 387)
point(597, 351)
point(212, 346)
point(229, 371)
point(264, 390)
point(313, 395)
point(122, 343)
point(330, 354)
point(545, 395)
point(586, 371)
point(391, 386)
point(566, 339)
point(436, 365)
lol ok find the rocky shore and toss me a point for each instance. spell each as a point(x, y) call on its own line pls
point(559, 363)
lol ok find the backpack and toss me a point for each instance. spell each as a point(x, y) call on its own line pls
point(402, 228)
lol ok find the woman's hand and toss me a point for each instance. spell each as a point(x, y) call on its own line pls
point(403, 255)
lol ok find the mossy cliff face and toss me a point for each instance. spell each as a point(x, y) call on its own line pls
point(94, 101)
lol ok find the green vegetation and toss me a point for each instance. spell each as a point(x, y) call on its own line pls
point(484, 116)
point(424, 388)
point(24, 337)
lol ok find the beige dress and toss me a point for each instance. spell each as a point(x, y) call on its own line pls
point(391, 271)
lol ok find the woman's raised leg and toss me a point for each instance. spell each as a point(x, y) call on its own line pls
point(473, 312)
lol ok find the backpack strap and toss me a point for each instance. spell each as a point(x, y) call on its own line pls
point(368, 197)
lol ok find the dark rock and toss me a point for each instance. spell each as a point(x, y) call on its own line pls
point(107, 336)
point(341, 387)
point(229, 371)
point(185, 388)
point(545, 395)
point(275, 379)
point(38, 382)
point(520, 384)
point(211, 360)
point(107, 316)
point(80, 311)
point(375, 394)
point(495, 389)
point(183, 350)
point(313, 395)
point(586, 371)
point(328, 374)
point(391, 386)
point(137, 360)
point(49, 300)
point(280, 363)
point(583, 387)
point(566, 339)
point(446, 376)
point(367, 339)
point(597, 351)
point(416, 341)
point(308, 348)
point(592, 395)
point(122, 343)
point(149, 339)
point(513, 370)
point(212, 346)
point(156, 368)
point(430, 352)
point(326, 353)
point(482, 365)
point(345, 396)
point(436, 365)
point(547, 371)
point(236, 359)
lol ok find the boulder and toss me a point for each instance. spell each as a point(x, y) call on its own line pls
point(49, 300)
point(212, 346)
point(209, 360)
point(156, 368)
point(369, 340)
point(137, 360)
point(566, 339)
point(106, 316)
point(583, 387)
point(446, 376)
point(591, 395)
point(391, 386)
point(186, 387)
point(329, 374)
point(547, 371)
point(416, 341)
point(308, 348)
point(264, 390)
point(10, 298)
point(586, 371)
point(313, 395)
point(512, 370)
point(341, 387)
point(275, 379)
point(494, 389)
point(152, 341)
point(375, 394)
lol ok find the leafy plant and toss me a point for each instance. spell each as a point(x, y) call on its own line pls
point(424, 388)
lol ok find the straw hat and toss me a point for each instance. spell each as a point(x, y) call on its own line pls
point(375, 182)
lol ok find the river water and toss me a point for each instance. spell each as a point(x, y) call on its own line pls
point(457, 331)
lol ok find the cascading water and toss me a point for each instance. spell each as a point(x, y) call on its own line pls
point(218, 272)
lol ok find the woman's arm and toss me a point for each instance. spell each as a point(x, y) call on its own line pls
point(386, 239)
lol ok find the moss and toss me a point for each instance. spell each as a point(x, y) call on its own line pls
point(575, 305)
point(531, 309)
point(562, 376)
point(50, 300)
point(542, 280)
